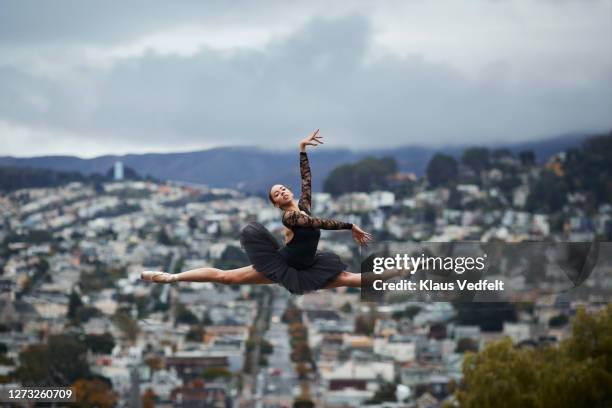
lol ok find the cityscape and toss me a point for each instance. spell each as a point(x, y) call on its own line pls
point(76, 313)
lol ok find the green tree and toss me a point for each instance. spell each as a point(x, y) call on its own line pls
point(589, 168)
point(266, 347)
point(476, 158)
point(14, 178)
point(346, 308)
point(42, 266)
point(364, 324)
point(411, 311)
point(39, 236)
point(212, 373)
point(60, 361)
point(93, 393)
point(527, 158)
point(548, 194)
point(441, 170)
point(184, 315)
point(192, 222)
point(303, 403)
point(509, 183)
point(467, 344)
point(126, 324)
point(558, 320)
point(100, 343)
point(369, 174)
point(83, 314)
point(385, 393)
point(74, 302)
point(163, 238)
point(575, 373)
point(149, 399)
point(196, 334)
point(291, 314)
point(301, 352)
point(232, 258)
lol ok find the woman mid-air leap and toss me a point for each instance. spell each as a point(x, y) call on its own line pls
point(297, 266)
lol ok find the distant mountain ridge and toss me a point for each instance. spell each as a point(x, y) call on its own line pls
point(254, 169)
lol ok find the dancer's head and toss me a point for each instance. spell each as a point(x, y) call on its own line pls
point(280, 195)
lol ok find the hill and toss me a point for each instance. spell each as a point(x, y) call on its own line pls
point(254, 169)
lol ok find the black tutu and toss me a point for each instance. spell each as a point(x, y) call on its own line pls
point(262, 248)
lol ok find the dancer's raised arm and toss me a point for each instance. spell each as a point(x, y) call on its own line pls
point(306, 195)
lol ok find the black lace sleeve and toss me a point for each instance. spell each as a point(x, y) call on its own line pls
point(305, 196)
point(298, 219)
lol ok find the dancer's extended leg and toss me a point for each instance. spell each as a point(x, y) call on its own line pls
point(240, 276)
point(353, 280)
point(349, 279)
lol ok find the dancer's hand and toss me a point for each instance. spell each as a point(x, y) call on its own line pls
point(360, 236)
point(313, 140)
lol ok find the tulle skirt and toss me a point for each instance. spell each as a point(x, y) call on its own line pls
point(262, 248)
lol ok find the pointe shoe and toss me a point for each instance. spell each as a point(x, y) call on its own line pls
point(158, 277)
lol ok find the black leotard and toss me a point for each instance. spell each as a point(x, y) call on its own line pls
point(300, 251)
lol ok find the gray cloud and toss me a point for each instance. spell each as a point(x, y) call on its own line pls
point(318, 76)
point(74, 21)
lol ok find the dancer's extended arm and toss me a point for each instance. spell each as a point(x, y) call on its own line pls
point(299, 219)
point(306, 196)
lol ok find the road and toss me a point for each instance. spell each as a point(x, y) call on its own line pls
point(278, 380)
point(164, 296)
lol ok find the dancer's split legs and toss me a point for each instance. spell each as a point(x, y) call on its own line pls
point(353, 280)
point(240, 276)
point(244, 275)
point(249, 275)
point(345, 278)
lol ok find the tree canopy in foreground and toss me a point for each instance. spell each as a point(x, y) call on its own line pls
point(577, 372)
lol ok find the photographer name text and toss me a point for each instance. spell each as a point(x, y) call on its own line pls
point(429, 285)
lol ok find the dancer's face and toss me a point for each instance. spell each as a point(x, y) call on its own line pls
point(281, 195)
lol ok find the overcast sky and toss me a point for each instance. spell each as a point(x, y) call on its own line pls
point(88, 78)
